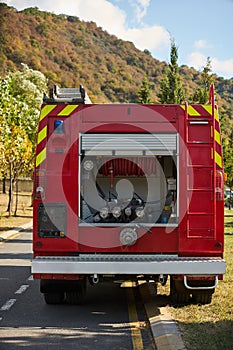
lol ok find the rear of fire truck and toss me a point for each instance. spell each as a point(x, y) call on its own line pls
point(127, 191)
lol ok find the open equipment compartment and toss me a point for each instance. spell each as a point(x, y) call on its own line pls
point(128, 178)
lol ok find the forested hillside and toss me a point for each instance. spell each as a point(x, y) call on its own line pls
point(69, 52)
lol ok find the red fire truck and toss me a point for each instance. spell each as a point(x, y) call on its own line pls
point(127, 191)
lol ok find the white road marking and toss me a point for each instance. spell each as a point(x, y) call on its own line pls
point(22, 289)
point(30, 278)
point(8, 305)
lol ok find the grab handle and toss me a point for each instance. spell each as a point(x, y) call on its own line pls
point(207, 287)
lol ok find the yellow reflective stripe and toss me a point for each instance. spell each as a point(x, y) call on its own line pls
point(42, 135)
point(191, 111)
point(46, 110)
point(41, 157)
point(217, 137)
point(67, 110)
point(208, 108)
point(216, 115)
point(133, 319)
point(218, 159)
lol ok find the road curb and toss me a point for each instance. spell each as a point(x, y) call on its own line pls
point(164, 329)
point(8, 234)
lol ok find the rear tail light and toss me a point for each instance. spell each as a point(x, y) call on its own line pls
point(219, 190)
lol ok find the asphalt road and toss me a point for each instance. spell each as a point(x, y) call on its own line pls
point(111, 318)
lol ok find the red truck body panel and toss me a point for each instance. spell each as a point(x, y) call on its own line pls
point(199, 231)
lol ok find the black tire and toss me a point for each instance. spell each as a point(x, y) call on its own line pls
point(53, 298)
point(202, 297)
point(73, 298)
point(77, 296)
point(179, 294)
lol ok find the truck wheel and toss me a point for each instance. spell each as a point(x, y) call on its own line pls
point(203, 296)
point(179, 294)
point(53, 298)
point(78, 295)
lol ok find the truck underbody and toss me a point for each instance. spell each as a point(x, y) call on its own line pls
point(197, 273)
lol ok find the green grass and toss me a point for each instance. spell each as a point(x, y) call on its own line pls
point(228, 222)
point(210, 327)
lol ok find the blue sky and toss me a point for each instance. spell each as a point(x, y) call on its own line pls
point(201, 28)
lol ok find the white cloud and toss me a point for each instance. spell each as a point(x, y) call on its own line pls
point(148, 37)
point(222, 68)
point(200, 44)
point(197, 60)
point(140, 8)
point(110, 17)
point(102, 12)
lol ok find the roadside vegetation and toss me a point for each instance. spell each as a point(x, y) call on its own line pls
point(21, 96)
point(205, 327)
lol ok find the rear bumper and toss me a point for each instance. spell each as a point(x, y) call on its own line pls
point(128, 264)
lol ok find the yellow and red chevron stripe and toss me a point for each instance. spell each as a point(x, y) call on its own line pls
point(46, 111)
point(218, 156)
point(206, 111)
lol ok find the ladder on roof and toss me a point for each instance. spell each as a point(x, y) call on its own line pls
point(67, 95)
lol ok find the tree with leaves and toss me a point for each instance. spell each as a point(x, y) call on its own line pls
point(201, 95)
point(171, 90)
point(144, 92)
point(21, 96)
